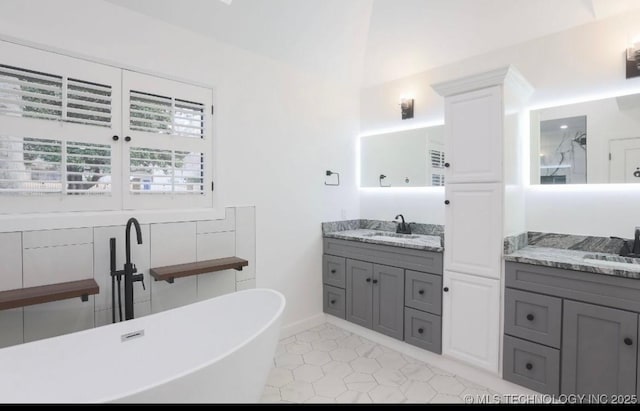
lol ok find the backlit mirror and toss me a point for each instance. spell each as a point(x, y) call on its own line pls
point(408, 158)
point(592, 142)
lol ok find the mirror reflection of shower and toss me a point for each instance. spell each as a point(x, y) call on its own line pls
point(563, 151)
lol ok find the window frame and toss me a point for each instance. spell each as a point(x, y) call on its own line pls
point(39, 58)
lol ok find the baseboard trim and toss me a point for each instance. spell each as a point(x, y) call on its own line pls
point(302, 325)
point(481, 377)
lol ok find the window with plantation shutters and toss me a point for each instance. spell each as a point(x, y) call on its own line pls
point(77, 135)
point(436, 158)
point(168, 156)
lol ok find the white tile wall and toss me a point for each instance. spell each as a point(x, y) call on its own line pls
point(140, 256)
point(173, 243)
point(246, 241)
point(216, 245)
point(103, 317)
point(53, 238)
point(246, 285)
point(216, 284)
point(211, 246)
point(165, 296)
point(57, 318)
point(50, 265)
point(52, 256)
point(216, 226)
point(11, 261)
point(11, 332)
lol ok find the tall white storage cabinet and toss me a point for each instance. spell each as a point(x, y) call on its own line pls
point(475, 142)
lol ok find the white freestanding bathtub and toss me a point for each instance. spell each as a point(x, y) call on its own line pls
point(219, 350)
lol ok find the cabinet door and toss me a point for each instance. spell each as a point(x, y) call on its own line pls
point(360, 293)
point(473, 218)
point(471, 319)
point(473, 130)
point(599, 350)
point(388, 300)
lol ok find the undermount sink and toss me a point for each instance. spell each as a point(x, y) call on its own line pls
point(613, 261)
point(388, 234)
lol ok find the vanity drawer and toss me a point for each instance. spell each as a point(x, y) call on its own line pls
point(423, 291)
point(333, 301)
point(333, 269)
point(423, 330)
point(534, 317)
point(531, 365)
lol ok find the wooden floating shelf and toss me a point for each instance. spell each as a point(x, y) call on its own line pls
point(171, 272)
point(47, 293)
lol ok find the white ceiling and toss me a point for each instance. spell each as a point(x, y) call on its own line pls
point(372, 41)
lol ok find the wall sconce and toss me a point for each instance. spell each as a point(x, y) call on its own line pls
point(330, 173)
point(406, 107)
point(633, 60)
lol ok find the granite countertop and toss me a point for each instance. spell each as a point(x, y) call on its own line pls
point(415, 241)
point(571, 260)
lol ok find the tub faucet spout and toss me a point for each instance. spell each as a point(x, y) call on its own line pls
point(130, 269)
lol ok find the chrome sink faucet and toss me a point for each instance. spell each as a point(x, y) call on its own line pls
point(402, 227)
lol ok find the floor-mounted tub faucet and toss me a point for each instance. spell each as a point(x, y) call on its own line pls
point(130, 269)
point(129, 274)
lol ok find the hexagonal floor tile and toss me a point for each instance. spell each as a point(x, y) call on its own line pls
point(343, 354)
point(287, 340)
point(337, 369)
point(320, 400)
point(360, 382)
point(384, 394)
point(329, 386)
point(365, 365)
point(298, 347)
point(368, 350)
point(439, 371)
point(308, 336)
point(279, 377)
point(446, 385)
point(332, 333)
point(417, 372)
point(392, 378)
point(297, 391)
point(352, 397)
point(308, 373)
point(418, 392)
point(393, 360)
point(316, 358)
point(289, 361)
point(270, 395)
point(324, 345)
point(446, 399)
point(351, 341)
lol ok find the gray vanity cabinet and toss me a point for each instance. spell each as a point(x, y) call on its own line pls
point(360, 293)
point(375, 297)
point(599, 350)
point(395, 291)
point(388, 300)
point(571, 332)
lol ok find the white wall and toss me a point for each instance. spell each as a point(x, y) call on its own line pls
point(278, 128)
point(582, 63)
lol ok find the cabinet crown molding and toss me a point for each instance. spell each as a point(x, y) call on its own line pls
point(507, 76)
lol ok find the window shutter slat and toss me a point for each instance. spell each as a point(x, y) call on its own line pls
point(165, 115)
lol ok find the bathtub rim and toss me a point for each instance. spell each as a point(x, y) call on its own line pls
point(276, 317)
point(128, 393)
